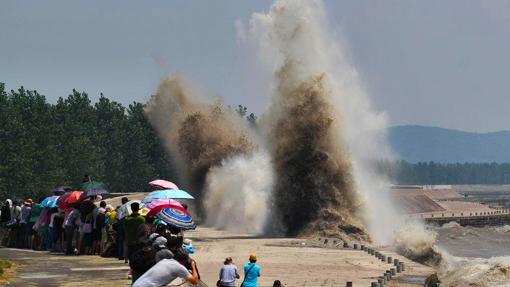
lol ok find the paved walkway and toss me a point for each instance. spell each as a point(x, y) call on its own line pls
point(40, 268)
point(296, 262)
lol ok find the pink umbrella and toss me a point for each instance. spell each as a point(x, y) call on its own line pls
point(158, 204)
point(164, 184)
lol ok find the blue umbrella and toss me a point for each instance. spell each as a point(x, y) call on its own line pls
point(50, 201)
point(177, 218)
point(167, 193)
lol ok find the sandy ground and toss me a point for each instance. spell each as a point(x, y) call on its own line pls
point(296, 262)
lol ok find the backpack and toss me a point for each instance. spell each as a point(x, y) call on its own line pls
point(143, 259)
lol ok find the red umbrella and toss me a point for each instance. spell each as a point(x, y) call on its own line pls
point(158, 204)
point(69, 199)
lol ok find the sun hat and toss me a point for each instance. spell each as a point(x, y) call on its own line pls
point(159, 242)
point(28, 201)
point(153, 236)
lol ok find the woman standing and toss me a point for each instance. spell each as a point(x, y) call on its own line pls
point(251, 273)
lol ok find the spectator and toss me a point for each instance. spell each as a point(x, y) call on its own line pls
point(162, 251)
point(51, 234)
point(5, 217)
point(15, 232)
point(99, 219)
point(70, 225)
point(251, 273)
point(131, 224)
point(277, 283)
point(144, 230)
point(167, 270)
point(26, 211)
point(141, 261)
point(6, 212)
point(228, 274)
point(56, 225)
point(162, 230)
point(120, 232)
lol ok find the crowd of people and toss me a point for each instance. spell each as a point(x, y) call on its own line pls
point(157, 252)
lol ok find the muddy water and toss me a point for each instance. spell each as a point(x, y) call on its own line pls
point(479, 242)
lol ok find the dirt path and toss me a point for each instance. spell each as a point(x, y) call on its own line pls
point(295, 262)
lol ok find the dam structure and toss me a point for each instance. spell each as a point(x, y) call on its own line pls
point(442, 204)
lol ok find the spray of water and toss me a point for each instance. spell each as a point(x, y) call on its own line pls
point(237, 193)
point(415, 241)
point(476, 272)
point(199, 134)
point(324, 135)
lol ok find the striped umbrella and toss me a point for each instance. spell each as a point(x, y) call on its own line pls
point(176, 218)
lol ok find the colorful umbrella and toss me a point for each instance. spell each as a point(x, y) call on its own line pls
point(125, 209)
point(94, 188)
point(164, 184)
point(50, 201)
point(177, 218)
point(69, 199)
point(167, 193)
point(157, 205)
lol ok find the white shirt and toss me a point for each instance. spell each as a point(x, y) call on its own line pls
point(164, 272)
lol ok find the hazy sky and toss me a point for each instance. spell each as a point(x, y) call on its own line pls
point(440, 63)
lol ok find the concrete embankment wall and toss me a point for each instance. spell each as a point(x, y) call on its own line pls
point(484, 220)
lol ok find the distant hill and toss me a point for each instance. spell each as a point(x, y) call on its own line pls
point(418, 143)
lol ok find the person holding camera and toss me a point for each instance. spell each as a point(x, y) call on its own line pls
point(167, 270)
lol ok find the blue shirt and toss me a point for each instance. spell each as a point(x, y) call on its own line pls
point(251, 279)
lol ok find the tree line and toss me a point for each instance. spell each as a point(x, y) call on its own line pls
point(44, 145)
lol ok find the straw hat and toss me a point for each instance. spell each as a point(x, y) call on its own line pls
point(28, 201)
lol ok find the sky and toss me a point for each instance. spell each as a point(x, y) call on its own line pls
point(433, 63)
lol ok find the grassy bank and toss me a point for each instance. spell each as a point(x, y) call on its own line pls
point(5, 270)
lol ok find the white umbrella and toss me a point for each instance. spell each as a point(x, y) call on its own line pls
point(125, 209)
